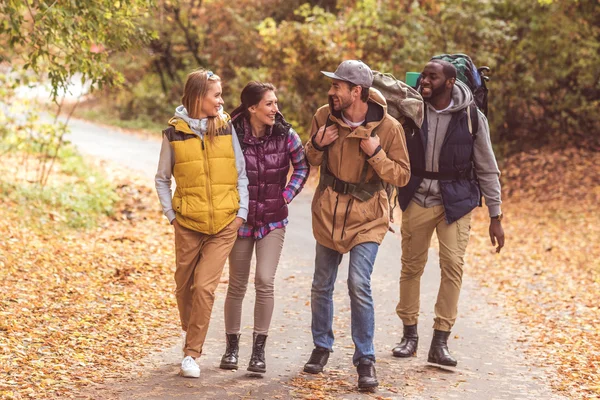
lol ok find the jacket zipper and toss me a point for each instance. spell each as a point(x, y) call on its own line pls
point(208, 192)
point(334, 215)
point(437, 121)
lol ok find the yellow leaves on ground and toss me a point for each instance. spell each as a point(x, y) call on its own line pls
point(549, 271)
point(81, 307)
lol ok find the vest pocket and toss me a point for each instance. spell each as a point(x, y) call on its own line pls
point(180, 205)
point(177, 204)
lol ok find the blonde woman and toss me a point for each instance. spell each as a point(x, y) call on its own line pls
point(200, 149)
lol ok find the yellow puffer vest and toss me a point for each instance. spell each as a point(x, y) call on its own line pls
point(206, 199)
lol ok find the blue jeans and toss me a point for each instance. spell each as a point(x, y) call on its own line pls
point(362, 310)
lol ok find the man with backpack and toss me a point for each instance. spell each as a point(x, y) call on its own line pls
point(452, 164)
point(360, 149)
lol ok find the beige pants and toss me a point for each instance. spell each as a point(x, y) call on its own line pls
point(268, 252)
point(418, 224)
point(200, 260)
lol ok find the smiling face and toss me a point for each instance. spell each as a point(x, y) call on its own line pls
point(265, 111)
point(341, 96)
point(212, 101)
point(433, 81)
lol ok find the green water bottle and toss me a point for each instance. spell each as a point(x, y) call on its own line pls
point(411, 79)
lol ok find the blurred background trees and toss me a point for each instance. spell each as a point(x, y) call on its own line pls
point(544, 55)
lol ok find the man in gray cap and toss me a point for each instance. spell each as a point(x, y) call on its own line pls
point(360, 150)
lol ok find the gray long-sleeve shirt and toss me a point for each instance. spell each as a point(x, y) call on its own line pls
point(486, 167)
point(166, 163)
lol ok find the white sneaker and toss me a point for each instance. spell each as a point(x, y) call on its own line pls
point(189, 368)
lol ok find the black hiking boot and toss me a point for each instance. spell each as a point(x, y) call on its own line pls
point(367, 378)
point(438, 352)
point(408, 345)
point(230, 358)
point(317, 360)
point(257, 360)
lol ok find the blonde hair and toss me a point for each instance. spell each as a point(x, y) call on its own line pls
point(194, 92)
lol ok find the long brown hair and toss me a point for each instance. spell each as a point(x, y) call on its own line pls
point(194, 92)
point(251, 95)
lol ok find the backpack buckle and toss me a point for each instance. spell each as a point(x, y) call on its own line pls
point(340, 186)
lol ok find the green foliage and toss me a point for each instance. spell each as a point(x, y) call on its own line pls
point(61, 38)
point(548, 84)
point(30, 148)
point(22, 129)
point(77, 202)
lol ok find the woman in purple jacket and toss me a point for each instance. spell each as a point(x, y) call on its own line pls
point(269, 144)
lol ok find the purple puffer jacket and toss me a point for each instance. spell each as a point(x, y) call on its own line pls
point(267, 166)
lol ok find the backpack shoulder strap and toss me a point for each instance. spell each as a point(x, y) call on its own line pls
point(473, 120)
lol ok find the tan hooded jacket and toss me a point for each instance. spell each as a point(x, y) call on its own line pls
point(341, 221)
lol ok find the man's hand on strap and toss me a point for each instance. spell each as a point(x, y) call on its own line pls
point(370, 145)
point(324, 137)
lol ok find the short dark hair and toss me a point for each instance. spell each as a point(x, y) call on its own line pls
point(448, 69)
point(364, 93)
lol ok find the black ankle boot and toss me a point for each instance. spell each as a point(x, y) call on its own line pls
point(317, 360)
point(367, 378)
point(257, 360)
point(230, 358)
point(408, 345)
point(438, 352)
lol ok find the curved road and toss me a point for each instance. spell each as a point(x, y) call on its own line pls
point(491, 360)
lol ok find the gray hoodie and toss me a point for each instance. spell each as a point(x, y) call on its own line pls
point(428, 194)
point(166, 162)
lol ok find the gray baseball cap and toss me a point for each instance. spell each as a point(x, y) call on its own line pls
point(354, 71)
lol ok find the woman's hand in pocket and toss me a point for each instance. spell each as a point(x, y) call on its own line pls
point(237, 223)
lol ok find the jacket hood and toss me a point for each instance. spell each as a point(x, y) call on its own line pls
point(376, 97)
point(462, 97)
point(184, 123)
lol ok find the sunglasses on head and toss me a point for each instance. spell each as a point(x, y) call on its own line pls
point(209, 74)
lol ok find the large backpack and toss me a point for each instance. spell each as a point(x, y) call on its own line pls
point(403, 102)
point(475, 78)
point(406, 105)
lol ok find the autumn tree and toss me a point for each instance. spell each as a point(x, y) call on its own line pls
point(543, 55)
point(53, 41)
point(62, 38)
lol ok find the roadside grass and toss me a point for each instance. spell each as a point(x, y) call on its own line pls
point(75, 197)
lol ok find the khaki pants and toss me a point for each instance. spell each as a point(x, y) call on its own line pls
point(268, 252)
point(418, 224)
point(200, 259)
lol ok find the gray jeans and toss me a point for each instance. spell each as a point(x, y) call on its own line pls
point(268, 252)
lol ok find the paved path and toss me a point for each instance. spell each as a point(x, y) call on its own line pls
point(136, 152)
point(491, 360)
